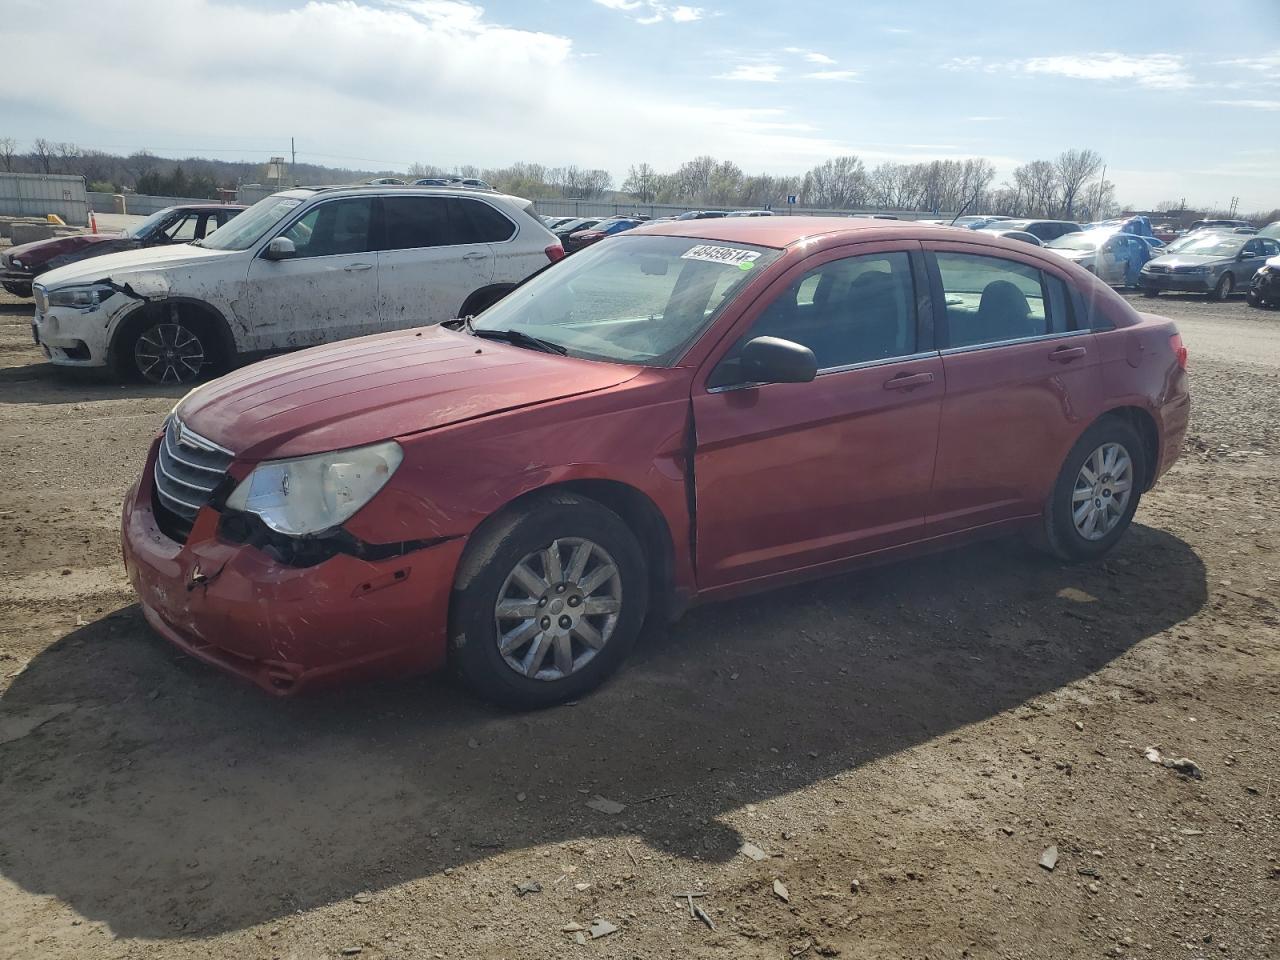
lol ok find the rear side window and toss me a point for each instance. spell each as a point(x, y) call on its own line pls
point(410, 222)
point(989, 300)
point(474, 221)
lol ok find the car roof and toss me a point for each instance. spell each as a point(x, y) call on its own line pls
point(784, 231)
point(211, 205)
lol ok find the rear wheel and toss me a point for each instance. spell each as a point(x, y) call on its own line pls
point(1150, 292)
point(1224, 287)
point(548, 601)
point(482, 300)
point(1097, 491)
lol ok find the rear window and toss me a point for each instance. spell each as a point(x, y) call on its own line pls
point(474, 221)
point(412, 222)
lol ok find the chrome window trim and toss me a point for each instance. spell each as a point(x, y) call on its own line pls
point(970, 348)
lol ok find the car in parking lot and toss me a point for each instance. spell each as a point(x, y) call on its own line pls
point(1264, 290)
point(573, 225)
point(690, 411)
point(604, 228)
point(20, 265)
point(702, 215)
point(1046, 230)
point(995, 230)
point(1217, 264)
point(300, 267)
point(751, 213)
point(1115, 257)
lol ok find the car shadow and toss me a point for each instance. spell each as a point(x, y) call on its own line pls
point(168, 800)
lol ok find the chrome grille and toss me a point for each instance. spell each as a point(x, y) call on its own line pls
point(41, 298)
point(1157, 268)
point(188, 469)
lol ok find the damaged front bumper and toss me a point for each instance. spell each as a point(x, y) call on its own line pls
point(286, 628)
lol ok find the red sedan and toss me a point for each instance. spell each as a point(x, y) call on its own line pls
point(693, 410)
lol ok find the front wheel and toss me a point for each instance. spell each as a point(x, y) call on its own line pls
point(1224, 287)
point(1150, 292)
point(19, 289)
point(170, 351)
point(548, 602)
point(1097, 491)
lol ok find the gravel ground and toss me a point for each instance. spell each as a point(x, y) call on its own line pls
point(902, 746)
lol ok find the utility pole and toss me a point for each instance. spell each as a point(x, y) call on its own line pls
point(293, 159)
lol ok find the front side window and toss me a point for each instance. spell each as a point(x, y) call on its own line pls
point(849, 311)
point(989, 300)
point(251, 225)
point(636, 299)
point(333, 228)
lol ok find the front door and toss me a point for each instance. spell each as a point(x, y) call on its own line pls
point(328, 291)
point(1023, 381)
point(795, 475)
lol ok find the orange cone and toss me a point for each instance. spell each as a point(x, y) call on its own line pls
point(93, 223)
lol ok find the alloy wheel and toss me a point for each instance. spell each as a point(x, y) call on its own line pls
point(169, 353)
point(1102, 491)
point(557, 609)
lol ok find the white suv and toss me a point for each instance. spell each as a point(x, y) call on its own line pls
point(298, 268)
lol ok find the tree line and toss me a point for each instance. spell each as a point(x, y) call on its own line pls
point(1071, 186)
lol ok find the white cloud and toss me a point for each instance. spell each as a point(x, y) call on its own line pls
point(818, 58)
point(1160, 70)
point(1250, 104)
point(753, 73)
point(844, 75)
point(649, 12)
point(1165, 71)
point(982, 119)
point(1269, 63)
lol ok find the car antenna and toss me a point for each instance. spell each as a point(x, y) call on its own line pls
point(963, 207)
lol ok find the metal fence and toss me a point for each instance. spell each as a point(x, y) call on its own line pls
point(39, 194)
point(598, 208)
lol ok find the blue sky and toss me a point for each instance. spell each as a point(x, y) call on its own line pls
point(1182, 99)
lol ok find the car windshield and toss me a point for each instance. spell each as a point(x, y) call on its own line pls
point(247, 228)
point(636, 299)
point(144, 228)
point(1073, 241)
point(1212, 245)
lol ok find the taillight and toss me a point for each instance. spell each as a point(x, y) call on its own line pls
point(554, 252)
point(1179, 350)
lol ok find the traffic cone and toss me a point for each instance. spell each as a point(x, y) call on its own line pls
point(93, 223)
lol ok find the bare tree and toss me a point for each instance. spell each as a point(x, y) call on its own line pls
point(1075, 168)
point(8, 147)
point(839, 183)
point(42, 153)
point(68, 157)
point(1037, 185)
point(641, 182)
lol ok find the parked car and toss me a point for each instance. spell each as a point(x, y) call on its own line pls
point(1046, 230)
point(1154, 243)
point(387, 182)
point(575, 224)
point(20, 265)
point(995, 231)
point(688, 411)
point(1166, 232)
point(553, 222)
point(431, 182)
point(702, 215)
point(605, 228)
point(1264, 291)
point(1205, 262)
point(300, 267)
point(1271, 230)
point(1222, 224)
point(751, 213)
point(975, 221)
point(472, 182)
point(1116, 258)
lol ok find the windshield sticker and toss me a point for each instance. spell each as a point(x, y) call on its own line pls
point(713, 254)
point(288, 204)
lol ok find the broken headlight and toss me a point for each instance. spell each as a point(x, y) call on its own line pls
point(312, 494)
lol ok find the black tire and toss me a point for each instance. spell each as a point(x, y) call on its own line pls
point(1253, 299)
point(482, 300)
point(197, 351)
point(493, 555)
point(1224, 288)
point(1150, 292)
point(1062, 538)
point(19, 289)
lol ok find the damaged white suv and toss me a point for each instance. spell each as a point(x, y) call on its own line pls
point(301, 267)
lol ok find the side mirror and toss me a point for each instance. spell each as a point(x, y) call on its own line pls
point(774, 360)
point(281, 248)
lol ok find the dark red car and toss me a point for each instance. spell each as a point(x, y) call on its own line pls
point(687, 412)
point(20, 265)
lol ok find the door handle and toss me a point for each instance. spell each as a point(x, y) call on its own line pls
point(908, 381)
point(1067, 354)
point(474, 255)
point(355, 267)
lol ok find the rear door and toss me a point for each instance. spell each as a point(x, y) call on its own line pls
point(1022, 383)
point(327, 292)
point(795, 475)
point(430, 261)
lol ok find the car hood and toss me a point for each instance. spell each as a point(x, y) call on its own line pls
point(1185, 260)
point(1073, 254)
point(42, 251)
point(363, 391)
point(128, 263)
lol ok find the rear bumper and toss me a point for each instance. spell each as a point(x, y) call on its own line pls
point(286, 628)
point(1175, 282)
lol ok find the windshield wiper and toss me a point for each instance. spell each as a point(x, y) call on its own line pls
point(517, 338)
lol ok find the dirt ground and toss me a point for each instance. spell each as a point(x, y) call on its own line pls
point(901, 745)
